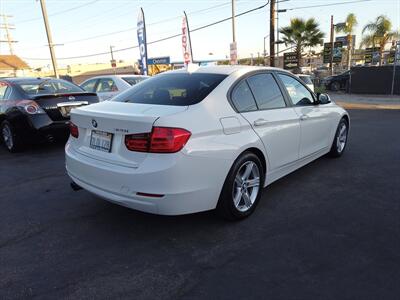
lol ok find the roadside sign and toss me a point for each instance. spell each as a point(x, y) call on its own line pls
point(233, 52)
point(337, 52)
point(344, 40)
point(372, 55)
point(113, 63)
point(290, 60)
point(159, 60)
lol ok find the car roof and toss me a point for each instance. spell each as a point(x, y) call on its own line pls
point(117, 76)
point(19, 80)
point(226, 70)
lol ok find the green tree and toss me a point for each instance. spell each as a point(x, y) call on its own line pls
point(348, 28)
point(301, 34)
point(379, 32)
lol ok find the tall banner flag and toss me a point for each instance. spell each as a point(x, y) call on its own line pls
point(141, 34)
point(186, 42)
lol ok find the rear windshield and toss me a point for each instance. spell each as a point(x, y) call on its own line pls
point(179, 89)
point(133, 80)
point(50, 86)
point(306, 79)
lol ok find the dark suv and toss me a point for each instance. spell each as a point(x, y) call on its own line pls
point(35, 108)
point(337, 82)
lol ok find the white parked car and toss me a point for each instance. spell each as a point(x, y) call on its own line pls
point(108, 86)
point(184, 142)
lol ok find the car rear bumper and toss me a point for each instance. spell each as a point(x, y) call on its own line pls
point(177, 183)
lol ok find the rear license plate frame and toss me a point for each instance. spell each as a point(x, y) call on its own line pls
point(99, 135)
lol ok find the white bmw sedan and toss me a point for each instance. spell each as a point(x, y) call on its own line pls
point(184, 142)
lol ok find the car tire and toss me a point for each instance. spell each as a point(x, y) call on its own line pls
point(340, 141)
point(335, 86)
point(10, 138)
point(242, 188)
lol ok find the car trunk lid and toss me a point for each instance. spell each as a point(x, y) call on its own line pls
point(113, 121)
point(58, 106)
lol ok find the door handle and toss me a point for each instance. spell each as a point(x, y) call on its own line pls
point(260, 122)
point(304, 117)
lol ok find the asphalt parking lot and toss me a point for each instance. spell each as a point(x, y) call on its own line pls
point(328, 231)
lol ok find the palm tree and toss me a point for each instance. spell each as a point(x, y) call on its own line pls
point(379, 32)
point(348, 28)
point(300, 34)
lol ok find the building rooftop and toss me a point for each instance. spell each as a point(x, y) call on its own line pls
point(12, 62)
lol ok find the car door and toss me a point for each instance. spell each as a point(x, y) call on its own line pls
point(106, 89)
point(260, 101)
point(315, 121)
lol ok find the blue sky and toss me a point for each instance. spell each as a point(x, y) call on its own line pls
point(73, 28)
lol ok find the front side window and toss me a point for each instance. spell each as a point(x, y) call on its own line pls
point(89, 85)
point(306, 79)
point(242, 98)
point(266, 91)
point(179, 89)
point(49, 86)
point(298, 93)
point(106, 85)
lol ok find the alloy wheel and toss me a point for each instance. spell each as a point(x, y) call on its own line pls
point(341, 138)
point(7, 136)
point(246, 186)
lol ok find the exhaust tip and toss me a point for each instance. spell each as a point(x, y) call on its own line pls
point(75, 187)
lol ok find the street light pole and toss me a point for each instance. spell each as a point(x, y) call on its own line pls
point(272, 33)
point(49, 38)
point(265, 49)
point(233, 22)
point(331, 42)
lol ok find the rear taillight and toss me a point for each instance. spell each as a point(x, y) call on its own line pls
point(31, 107)
point(73, 129)
point(160, 140)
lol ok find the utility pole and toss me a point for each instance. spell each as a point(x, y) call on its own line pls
point(49, 38)
point(331, 42)
point(7, 27)
point(272, 33)
point(233, 45)
point(113, 62)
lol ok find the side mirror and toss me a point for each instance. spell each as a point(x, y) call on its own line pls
point(323, 99)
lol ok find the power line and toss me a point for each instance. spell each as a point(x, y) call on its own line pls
point(328, 4)
point(150, 24)
point(60, 12)
point(159, 40)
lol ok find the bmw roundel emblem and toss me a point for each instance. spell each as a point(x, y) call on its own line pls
point(94, 123)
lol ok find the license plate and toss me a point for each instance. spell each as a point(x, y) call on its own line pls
point(101, 140)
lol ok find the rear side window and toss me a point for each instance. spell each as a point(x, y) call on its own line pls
point(3, 89)
point(179, 89)
point(266, 91)
point(242, 98)
point(49, 86)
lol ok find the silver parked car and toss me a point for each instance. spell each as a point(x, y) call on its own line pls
point(108, 86)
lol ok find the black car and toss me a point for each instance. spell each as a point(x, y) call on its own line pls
point(337, 82)
point(35, 108)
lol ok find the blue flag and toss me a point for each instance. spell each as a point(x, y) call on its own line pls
point(141, 34)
